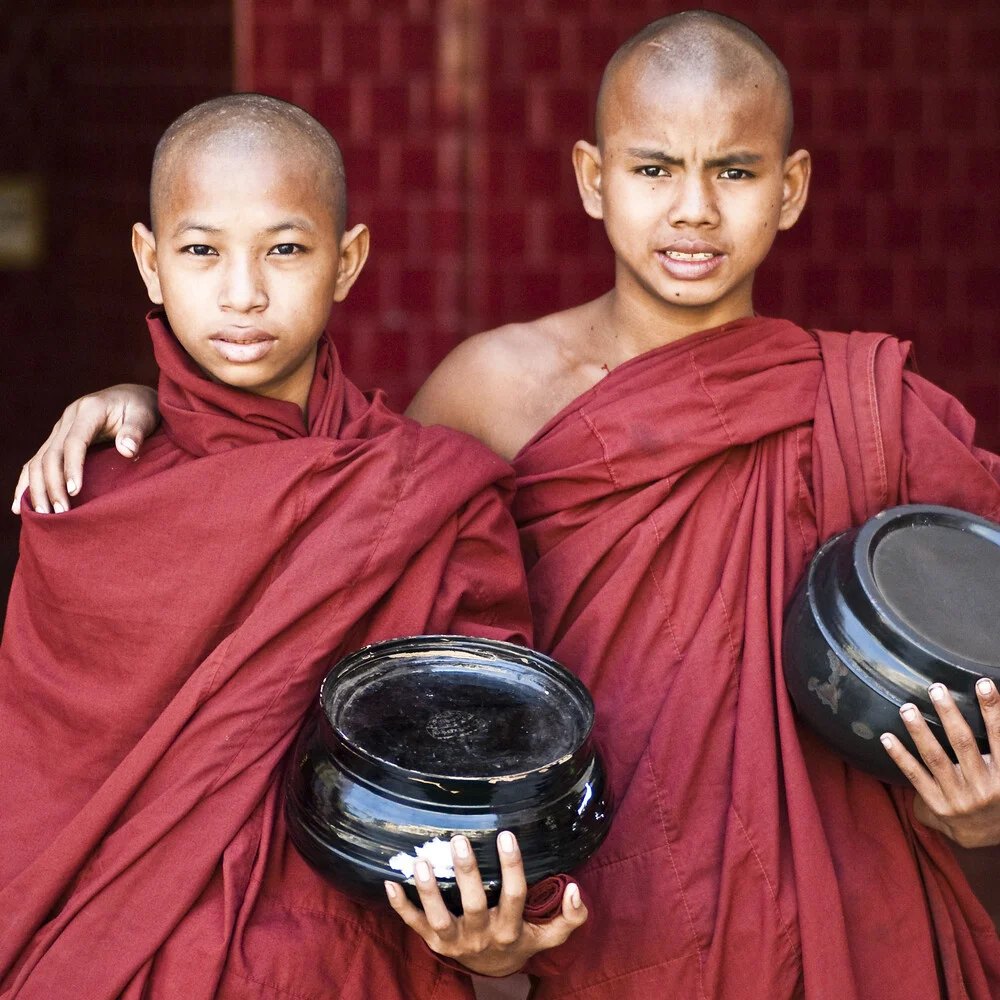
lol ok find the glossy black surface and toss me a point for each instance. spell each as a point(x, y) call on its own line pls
point(430, 736)
point(909, 598)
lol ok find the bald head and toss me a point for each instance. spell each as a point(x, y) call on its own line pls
point(247, 124)
point(699, 46)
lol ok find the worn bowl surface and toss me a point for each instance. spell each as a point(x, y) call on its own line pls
point(885, 610)
point(418, 739)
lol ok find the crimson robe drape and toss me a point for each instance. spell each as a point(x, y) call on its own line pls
point(162, 644)
point(666, 516)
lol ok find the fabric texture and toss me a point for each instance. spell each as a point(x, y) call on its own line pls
point(164, 640)
point(666, 516)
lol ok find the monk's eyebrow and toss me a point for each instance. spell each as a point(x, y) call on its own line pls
point(191, 225)
point(739, 158)
point(303, 225)
point(293, 223)
point(656, 155)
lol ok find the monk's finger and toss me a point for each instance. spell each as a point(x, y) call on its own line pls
point(135, 426)
point(411, 915)
point(911, 768)
point(989, 705)
point(46, 485)
point(513, 890)
point(22, 485)
point(470, 885)
point(573, 914)
point(136, 417)
point(931, 752)
point(959, 733)
point(90, 421)
point(437, 915)
point(36, 485)
point(53, 474)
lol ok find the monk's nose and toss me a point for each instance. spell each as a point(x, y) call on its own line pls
point(243, 288)
point(694, 202)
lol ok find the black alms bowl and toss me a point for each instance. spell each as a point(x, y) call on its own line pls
point(422, 738)
point(885, 610)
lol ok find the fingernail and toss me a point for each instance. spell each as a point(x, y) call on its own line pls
point(71, 487)
point(128, 446)
point(390, 889)
point(985, 687)
point(574, 896)
point(460, 846)
point(423, 871)
point(936, 692)
point(507, 842)
point(58, 507)
point(908, 712)
point(886, 740)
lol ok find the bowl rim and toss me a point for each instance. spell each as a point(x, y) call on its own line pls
point(365, 656)
point(864, 547)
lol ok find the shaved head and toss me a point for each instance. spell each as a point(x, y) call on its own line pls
point(247, 124)
point(699, 46)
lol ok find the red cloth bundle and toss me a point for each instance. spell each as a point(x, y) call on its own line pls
point(163, 642)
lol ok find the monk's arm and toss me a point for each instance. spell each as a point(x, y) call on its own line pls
point(126, 414)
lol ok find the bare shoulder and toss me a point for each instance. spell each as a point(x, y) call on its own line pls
point(504, 385)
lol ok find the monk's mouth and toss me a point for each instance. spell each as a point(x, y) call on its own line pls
point(689, 266)
point(243, 350)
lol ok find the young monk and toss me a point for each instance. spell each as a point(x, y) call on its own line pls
point(149, 692)
point(667, 511)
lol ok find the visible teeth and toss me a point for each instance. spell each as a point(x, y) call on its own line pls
point(677, 255)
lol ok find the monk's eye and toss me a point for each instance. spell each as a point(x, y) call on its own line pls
point(652, 171)
point(735, 174)
point(199, 250)
point(287, 249)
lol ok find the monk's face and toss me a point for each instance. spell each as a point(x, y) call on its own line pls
point(247, 263)
point(692, 183)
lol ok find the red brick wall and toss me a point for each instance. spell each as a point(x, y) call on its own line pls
point(86, 88)
point(457, 118)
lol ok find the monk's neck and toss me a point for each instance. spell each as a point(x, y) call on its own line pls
point(642, 323)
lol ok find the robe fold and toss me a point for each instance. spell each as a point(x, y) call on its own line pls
point(164, 640)
point(666, 516)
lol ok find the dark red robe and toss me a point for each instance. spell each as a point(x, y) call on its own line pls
point(666, 516)
point(163, 642)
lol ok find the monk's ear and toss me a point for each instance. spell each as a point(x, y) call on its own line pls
point(353, 254)
point(794, 187)
point(144, 248)
point(587, 164)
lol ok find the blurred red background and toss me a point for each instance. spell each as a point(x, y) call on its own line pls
point(457, 118)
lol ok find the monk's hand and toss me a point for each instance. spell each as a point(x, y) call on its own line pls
point(126, 413)
point(961, 800)
point(489, 941)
